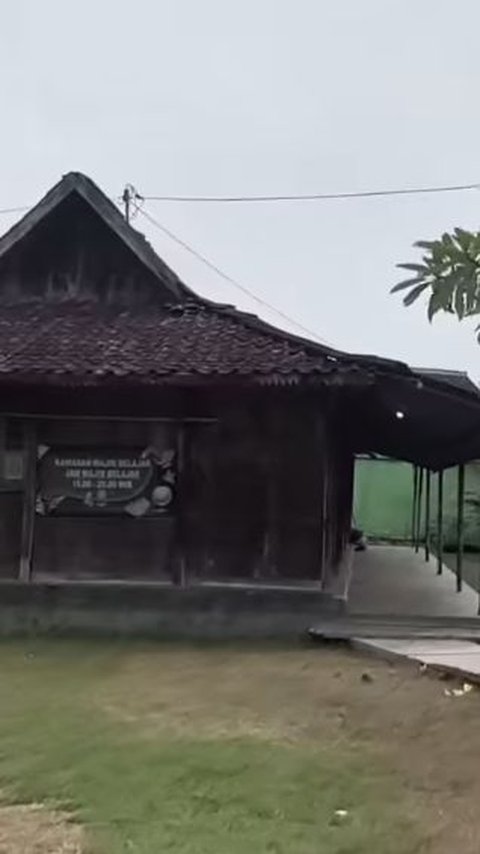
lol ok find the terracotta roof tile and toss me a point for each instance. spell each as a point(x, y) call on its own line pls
point(81, 340)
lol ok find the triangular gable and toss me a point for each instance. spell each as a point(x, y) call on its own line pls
point(75, 182)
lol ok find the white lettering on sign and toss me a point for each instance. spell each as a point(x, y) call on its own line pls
point(134, 482)
point(103, 478)
point(66, 462)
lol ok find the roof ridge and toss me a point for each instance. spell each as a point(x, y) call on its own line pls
point(449, 371)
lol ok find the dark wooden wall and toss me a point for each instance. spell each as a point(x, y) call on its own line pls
point(264, 495)
point(10, 527)
point(72, 254)
point(104, 547)
point(267, 493)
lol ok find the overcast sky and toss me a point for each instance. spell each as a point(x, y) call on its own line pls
point(262, 97)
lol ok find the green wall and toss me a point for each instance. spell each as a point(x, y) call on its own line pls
point(383, 498)
point(383, 501)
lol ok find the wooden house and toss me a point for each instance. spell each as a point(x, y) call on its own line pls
point(152, 437)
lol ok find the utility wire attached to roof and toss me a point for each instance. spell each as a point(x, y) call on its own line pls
point(15, 210)
point(311, 197)
point(301, 197)
point(226, 277)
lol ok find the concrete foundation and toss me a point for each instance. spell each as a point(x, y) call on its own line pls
point(203, 611)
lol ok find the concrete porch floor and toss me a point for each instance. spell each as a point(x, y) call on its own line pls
point(395, 580)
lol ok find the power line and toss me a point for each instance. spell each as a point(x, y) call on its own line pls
point(300, 197)
point(15, 210)
point(310, 197)
point(227, 278)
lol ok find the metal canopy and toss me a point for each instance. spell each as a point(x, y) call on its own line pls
point(421, 420)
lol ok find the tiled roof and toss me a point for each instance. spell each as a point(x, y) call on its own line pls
point(74, 342)
point(457, 379)
point(85, 341)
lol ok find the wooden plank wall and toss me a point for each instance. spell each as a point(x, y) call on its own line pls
point(273, 502)
point(105, 547)
point(264, 495)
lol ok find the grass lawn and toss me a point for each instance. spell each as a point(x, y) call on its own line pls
point(225, 750)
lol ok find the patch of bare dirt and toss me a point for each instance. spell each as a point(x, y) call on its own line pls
point(283, 695)
point(34, 829)
point(320, 696)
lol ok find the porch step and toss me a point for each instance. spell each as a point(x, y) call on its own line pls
point(459, 657)
point(398, 626)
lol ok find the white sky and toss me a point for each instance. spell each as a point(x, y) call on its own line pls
point(262, 97)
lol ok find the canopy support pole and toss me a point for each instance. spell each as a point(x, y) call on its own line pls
point(427, 514)
point(418, 523)
point(28, 510)
point(440, 524)
point(414, 503)
point(460, 524)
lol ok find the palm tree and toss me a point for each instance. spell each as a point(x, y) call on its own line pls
point(449, 275)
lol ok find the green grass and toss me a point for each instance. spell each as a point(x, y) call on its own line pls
point(148, 790)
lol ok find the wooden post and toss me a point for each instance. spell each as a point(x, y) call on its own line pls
point(3, 446)
point(325, 519)
point(272, 451)
point(414, 503)
point(268, 559)
point(440, 524)
point(427, 514)
point(29, 488)
point(419, 511)
point(180, 507)
point(460, 526)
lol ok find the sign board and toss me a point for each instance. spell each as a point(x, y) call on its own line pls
point(95, 481)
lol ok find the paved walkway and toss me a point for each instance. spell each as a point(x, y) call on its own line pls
point(394, 580)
